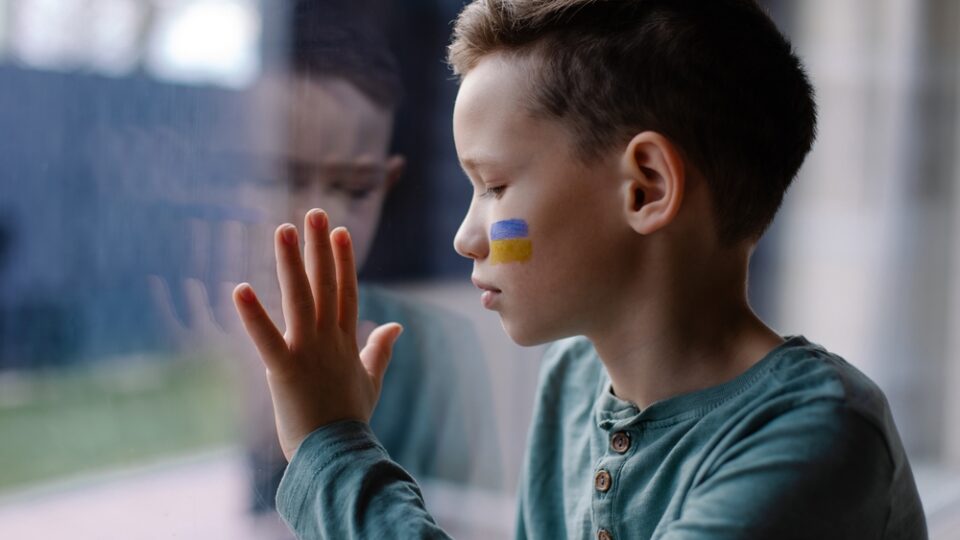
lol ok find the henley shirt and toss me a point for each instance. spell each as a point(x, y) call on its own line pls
point(801, 445)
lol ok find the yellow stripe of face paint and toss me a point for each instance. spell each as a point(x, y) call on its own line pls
point(512, 250)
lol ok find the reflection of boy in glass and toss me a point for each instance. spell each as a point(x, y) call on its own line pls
point(335, 111)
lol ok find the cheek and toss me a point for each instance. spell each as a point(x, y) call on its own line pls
point(362, 230)
point(299, 202)
point(334, 205)
point(510, 242)
point(566, 255)
point(364, 215)
point(362, 222)
point(268, 200)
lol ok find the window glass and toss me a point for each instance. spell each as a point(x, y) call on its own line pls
point(152, 147)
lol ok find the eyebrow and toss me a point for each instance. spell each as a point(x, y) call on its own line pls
point(360, 174)
point(469, 163)
point(476, 163)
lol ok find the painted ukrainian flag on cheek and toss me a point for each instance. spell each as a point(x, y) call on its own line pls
point(510, 242)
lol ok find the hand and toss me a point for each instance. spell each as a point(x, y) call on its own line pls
point(201, 332)
point(315, 372)
point(209, 328)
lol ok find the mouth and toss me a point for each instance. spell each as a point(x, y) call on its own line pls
point(484, 286)
point(490, 293)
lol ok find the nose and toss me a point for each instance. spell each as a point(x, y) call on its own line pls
point(471, 238)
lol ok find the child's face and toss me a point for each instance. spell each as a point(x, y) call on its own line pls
point(331, 153)
point(543, 229)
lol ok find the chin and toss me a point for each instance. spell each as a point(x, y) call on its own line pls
point(527, 335)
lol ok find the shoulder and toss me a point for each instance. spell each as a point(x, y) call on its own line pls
point(814, 431)
point(377, 302)
point(806, 372)
point(439, 348)
point(429, 326)
point(816, 399)
point(806, 409)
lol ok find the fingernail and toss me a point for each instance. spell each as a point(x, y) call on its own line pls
point(318, 218)
point(246, 293)
point(290, 234)
point(343, 236)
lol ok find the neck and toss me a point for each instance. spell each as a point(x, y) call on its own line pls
point(696, 332)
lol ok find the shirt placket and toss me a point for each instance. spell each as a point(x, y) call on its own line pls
point(619, 447)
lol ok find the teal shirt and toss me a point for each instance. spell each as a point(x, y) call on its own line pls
point(434, 413)
point(801, 445)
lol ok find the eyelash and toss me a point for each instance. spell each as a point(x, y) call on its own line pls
point(353, 193)
point(496, 192)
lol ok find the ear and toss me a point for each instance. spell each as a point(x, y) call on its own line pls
point(655, 181)
point(394, 169)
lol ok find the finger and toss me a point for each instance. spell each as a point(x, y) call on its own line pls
point(200, 243)
point(320, 266)
point(376, 355)
point(346, 281)
point(295, 296)
point(232, 242)
point(163, 303)
point(198, 304)
point(267, 339)
point(225, 314)
point(262, 267)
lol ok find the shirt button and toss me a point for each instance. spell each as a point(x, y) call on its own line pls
point(620, 442)
point(604, 534)
point(602, 481)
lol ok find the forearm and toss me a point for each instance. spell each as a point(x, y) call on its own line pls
point(342, 484)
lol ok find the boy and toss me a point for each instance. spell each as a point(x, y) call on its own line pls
point(626, 157)
point(332, 105)
point(336, 109)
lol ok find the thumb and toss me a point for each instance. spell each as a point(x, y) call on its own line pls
point(364, 329)
point(376, 354)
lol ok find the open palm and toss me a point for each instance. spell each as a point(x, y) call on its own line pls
point(316, 372)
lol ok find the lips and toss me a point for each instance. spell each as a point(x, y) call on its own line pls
point(484, 286)
point(490, 294)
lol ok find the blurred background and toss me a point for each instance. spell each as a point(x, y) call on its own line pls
point(150, 146)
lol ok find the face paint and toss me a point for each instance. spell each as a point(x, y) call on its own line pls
point(509, 242)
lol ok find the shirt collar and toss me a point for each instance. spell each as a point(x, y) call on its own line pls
point(615, 414)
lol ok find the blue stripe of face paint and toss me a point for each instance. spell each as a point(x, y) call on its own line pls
point(507, 229)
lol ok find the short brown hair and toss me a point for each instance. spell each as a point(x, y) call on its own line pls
point(345, 39)
point(716, 77)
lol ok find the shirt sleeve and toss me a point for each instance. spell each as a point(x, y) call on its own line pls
point(817, 471)
point(341, 484)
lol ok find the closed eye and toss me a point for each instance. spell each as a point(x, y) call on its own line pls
point(355, 193)
point(495, 191)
